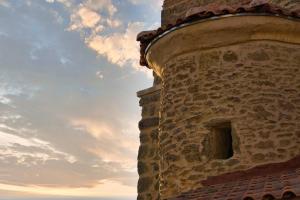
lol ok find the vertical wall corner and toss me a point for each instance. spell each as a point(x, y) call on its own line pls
point(148, 158)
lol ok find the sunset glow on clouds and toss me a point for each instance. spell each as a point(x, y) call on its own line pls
point(93, 17)
point(118, 48)
point(104, 188)
point(68, 83)
point(117, 145)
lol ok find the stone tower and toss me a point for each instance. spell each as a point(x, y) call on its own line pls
point(224, 121)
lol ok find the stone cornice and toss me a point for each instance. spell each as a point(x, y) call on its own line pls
point(148, 91)
point(218, 32)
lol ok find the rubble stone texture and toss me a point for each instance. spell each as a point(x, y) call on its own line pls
point(241, 73)
point(253, 86)
point(148, 158)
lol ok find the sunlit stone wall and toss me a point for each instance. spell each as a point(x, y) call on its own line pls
point(224, 71)
point(148, 158)
point(241, 71)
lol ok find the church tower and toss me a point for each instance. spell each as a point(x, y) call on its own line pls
point(222, 120)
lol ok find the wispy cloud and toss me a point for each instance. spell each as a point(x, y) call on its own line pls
point(61, 129)
point(84, 18)
point(94, 15)
point(119, 48)
point(102, 5)
point(104, 188)
point(99, 74)
point(4, 3)
point(113, 145)
point(155, 4)
point(105, 33)
point(8, 90)
point(67, 3)
point(12, 145)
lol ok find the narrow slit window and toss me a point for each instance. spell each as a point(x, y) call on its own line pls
point(222, 141)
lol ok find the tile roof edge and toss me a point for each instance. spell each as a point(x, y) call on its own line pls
point(261, 170)
point(213, 10)
point(274, 181)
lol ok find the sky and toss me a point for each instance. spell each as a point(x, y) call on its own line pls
point(68, 106)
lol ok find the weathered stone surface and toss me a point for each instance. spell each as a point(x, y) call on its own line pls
point(150, 99)
point(143, 151)
point(269, 144)
point(258, 157)
point(142, 167)
point(155, 168)
point(259, 55)
point(144, 184)
point(148, 158)
point(154, 136)
point(148, 123)
point(253, 83)
point(233, 162)
point(255, 97)
point(230, 56)
point(140, 197)
point(193, 158)
point(144, 138)
point(286, 106)
point(171, 157)
point(262, 113)
point(284, 143)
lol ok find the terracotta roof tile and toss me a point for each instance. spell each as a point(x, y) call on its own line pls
point(283, 182)
point(213, 9)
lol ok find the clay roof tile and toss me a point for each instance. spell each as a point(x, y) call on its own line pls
point(283, 182)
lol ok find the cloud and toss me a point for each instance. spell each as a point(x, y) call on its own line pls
point(4, 3)
point(58, 18)
point(67, 3)
point(99, 74)
point(6, 91)
point(23, 148)
point(101, 5)
point(9, 117)
point(118, 48)
point(84, 18)
point(104, 188)
point(28, 160)
point(101, 29)
point(40, 146)
point(155, 4)
point(113, 23)
point(112, 144)
point(92, 14)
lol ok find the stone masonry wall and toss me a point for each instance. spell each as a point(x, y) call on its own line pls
point(148, 159)
point(175, 9)
point(254, 85)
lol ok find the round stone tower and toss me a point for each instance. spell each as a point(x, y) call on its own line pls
point(230, 91)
